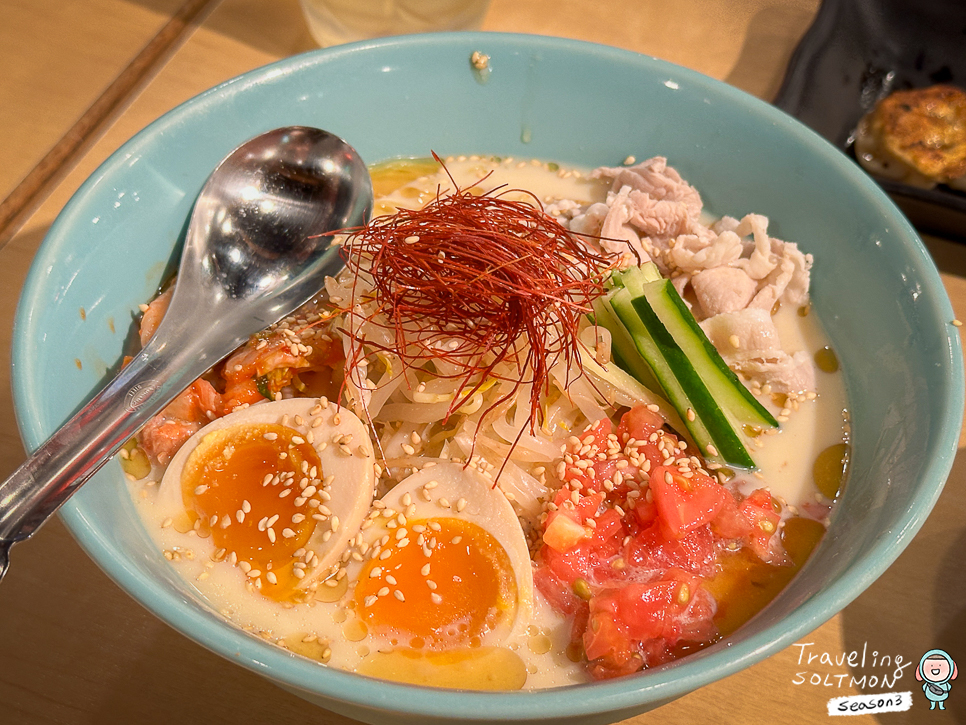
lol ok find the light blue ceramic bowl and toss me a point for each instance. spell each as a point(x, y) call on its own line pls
point(874, 286)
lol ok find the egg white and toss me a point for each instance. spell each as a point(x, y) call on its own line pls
point(351, 469)
point(451, 490)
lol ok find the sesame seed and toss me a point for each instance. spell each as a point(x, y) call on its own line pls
point(200, 489)
point(270, 436)
point(399, 595)
point(384, 591)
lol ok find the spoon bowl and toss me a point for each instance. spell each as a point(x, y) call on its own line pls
point(257, 247)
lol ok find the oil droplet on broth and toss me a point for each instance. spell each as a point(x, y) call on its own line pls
point(745, 584)
point(829, 469)
point(308, 646)
point(539, 644)
point(331, 590)
point(389, 176)
point(480, 668)
point(826, 360)
point(355, 630)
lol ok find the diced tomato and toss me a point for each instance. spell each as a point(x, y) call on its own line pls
point(683, 503)
point(762, 512)
point(652, 453)
point(581, 476)
point(588, 557)
point(695, 552)
point(645, 511)
point(599, 431)
point(609, 650)
point(577, 509)
point(590, 560)
point(639, 422)
point(632, 578)
point(603, 470)
point(609, 531)
point(648, 610)
point(603, 637)
point(695, 623)
point(607, 668)
point(559, 593)
point(580, 624)
point(564, 533)
point(731, 523)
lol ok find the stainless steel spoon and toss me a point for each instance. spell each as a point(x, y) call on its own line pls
point(252, 255)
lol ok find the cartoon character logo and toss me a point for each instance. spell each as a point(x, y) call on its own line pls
point(936, 669)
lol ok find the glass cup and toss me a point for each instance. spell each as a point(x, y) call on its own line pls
point(333, 22)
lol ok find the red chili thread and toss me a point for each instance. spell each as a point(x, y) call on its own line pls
point(471, 276)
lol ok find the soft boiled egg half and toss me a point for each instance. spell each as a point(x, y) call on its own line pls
point(279, 489)
point(445, 583)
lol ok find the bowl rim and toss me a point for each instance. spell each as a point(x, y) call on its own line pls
point(657, 686)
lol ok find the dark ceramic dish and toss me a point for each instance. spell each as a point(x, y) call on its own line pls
point(858, 51)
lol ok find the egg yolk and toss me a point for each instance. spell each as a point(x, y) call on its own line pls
point(444, 582)
point(245, 486)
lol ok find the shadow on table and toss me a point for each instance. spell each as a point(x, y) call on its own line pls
point(932, 568)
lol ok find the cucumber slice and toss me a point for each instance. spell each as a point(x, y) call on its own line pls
point(658, 341)
point(705, 420)
point(729, 392)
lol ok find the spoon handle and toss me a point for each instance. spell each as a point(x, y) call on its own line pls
point(84, 443)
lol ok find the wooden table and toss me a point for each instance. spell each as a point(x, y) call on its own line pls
point(86, 77)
